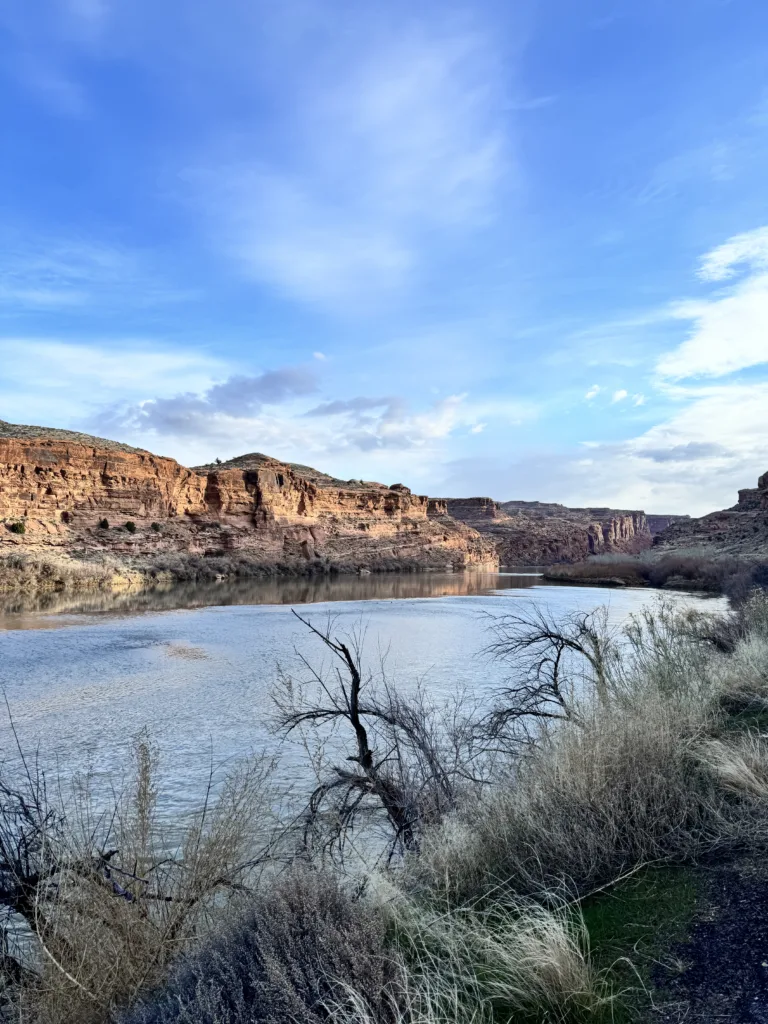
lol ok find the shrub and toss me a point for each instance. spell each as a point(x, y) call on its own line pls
point(18, 527)
point(103, 524)
point(107, 893)
point(155, 527)
point(288, 959)
point(638, 779)
point(130, 527)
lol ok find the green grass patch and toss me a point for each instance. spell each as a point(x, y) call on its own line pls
point(633, 926)
point(750, 718)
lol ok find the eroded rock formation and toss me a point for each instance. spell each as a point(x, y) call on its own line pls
point(739, 530)
point(541, 533)
point(59, 487)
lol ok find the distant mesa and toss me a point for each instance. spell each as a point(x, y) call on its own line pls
point(543, 533)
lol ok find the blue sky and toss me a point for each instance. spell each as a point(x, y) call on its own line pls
point(516, 249)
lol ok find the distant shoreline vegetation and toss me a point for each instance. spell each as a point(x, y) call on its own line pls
point(31, 573)
point(700, 570)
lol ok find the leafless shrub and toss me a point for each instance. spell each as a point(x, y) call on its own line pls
point(554, 662)
point(105, 898)
point(382, 759)
point(636, 776)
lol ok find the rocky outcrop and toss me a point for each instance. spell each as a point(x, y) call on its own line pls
point(541, 533)
point(739, 530)
point(658, 523)
point(57, 489)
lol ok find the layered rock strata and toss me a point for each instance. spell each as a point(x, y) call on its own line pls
point(57, 489)
point(739, 530)
point(541, 533)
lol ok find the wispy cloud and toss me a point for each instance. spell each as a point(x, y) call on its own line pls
point(41, 273)
point(60, 383)
point(729, 330)
point(406, 142)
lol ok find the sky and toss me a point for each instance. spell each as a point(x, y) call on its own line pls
point(516, 249)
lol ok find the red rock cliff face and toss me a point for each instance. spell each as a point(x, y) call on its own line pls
point(61, 485)
point(540, 533)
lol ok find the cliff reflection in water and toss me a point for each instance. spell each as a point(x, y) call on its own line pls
point(21, 611)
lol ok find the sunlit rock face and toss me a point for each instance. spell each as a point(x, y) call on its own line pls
point(541, 533)
point(63, 487)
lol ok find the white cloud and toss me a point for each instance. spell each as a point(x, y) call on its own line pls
point(730, 330)
point(593, 392)
point(619, 396)
point(638, 399)
point(749, 248)
point(57, 383)
point(694, 462)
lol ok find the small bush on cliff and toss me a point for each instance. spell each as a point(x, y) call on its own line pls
point(155, 527)
point(130, 527)
point(103, 524)
point(17, 528)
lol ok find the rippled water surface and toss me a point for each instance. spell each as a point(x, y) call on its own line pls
point(195, 665)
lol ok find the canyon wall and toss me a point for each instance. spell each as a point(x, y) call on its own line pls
point(658, 523)
point(541, 533)
point(739, 530)
point(58, 487)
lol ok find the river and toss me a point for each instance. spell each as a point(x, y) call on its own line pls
point(195, 665)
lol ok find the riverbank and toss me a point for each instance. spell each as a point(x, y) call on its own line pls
point(40, 573)
point(537, 873)
point(705, 572)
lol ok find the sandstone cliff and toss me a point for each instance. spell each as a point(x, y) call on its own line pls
point(540, 533)
point(57, 488)
point(739, 530)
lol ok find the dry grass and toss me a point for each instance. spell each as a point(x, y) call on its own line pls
point(117, 895)
point(639, 780)
point(483, 921)
point(735, 576)
point(303, 943)
point(32, 573)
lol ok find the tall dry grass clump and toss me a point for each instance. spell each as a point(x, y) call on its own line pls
point(646, 772)
point(107, 895)
point(301, 945)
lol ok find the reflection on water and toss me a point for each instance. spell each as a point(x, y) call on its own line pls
point(23, 611)
point(197, 665)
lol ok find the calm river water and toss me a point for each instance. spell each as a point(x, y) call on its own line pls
point(195, 665)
